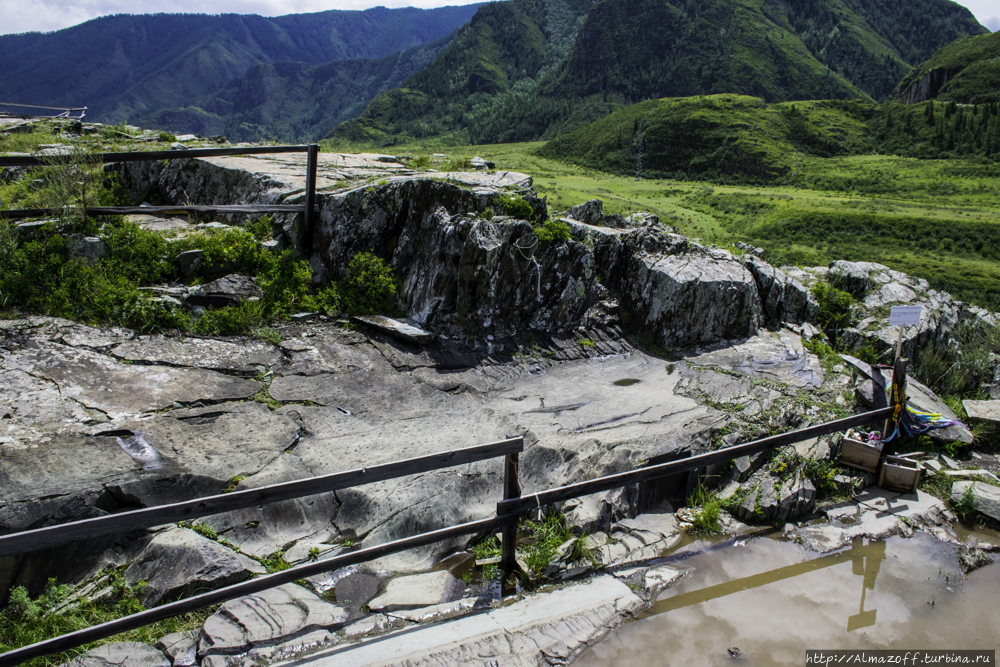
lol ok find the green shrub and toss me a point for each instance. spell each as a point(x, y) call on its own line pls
point(552, 230)
point(167, 138)
point(369, 285)
point(285, 281)
point(515, 206)
point(834, 307)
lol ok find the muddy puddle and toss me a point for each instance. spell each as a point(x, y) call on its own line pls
point(773, 599)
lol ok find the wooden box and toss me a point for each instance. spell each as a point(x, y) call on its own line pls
point(860, 455)
point(900, 475)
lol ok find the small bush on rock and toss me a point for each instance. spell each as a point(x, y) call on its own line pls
point(552, 230)
point(369, 286)
point(834, 307)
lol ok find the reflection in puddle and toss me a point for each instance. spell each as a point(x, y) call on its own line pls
point(773, 600)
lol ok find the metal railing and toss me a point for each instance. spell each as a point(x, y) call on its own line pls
point(509, 510)
point(308, 209)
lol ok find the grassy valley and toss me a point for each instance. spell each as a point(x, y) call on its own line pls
point(937, 219)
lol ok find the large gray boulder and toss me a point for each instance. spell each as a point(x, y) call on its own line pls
point(178, 563)
point(495, 278)
point(783, 298)
point(677, 293)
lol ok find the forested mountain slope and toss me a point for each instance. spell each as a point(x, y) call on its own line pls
point(126, 66)
point(293, 101)
point(966, 71)
point(626, 51)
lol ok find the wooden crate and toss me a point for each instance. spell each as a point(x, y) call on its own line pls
point(900, 475)
point(858, 454)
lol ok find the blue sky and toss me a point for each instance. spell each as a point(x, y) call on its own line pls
point(47, 15)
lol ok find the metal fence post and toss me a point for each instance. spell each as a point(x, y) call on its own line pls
point(312, 159)
point(508, 562)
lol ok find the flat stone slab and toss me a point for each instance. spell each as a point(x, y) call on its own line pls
point(987, 497)
point(123, 654)
point(100, 382)
point(244, 356)
point(878, 515)
point(404, 331)
point(270, 617)
point(986, 410)
point(548, 628)
point(421, 590)
point(778, 356)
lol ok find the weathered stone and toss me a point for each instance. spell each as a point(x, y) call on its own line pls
point(492, 278)
point(178, 563)
point(88, 249)
point(31, 230)
point(548, 627)
point(228, 291)
point(971, 558)
point(246, 356)
point(189, 261)
point(678, 294)
point(404, 331)
point(985, 410)
point(180, 647)
point(421, 590)
point(122, 654)
point(98, 381)
point(590, 212)
point(987, 497)
point(783, 298)
point(853, 277)
point(261, 531)
point(269, 617)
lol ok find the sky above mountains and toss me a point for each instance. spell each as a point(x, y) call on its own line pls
point(47, 15)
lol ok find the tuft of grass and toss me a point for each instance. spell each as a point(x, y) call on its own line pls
point(706, 515)
point(965, 507)
point(267, 334)
point(233, 482)
point(586, 342)
point(56, 612)
point(488, 547)
point(275, 562)
point(205, 530)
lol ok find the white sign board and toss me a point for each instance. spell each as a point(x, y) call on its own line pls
point(904, 316)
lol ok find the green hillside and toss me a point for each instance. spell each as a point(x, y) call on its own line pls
point(739, 138)
point(495, 83)
point(966, 71)
point(125, 66)
point(503, 51)
point(292, 102)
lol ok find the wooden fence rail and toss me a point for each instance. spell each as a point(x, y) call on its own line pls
point(543, 498)
point(169, 610)
point(308, 209)
point(43, 538)
point(509, 511)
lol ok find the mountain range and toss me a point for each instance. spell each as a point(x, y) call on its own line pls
point(136, 67)
point(498, 72)
point(626, 51)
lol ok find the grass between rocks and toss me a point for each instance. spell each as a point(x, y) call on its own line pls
point(56, 612)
